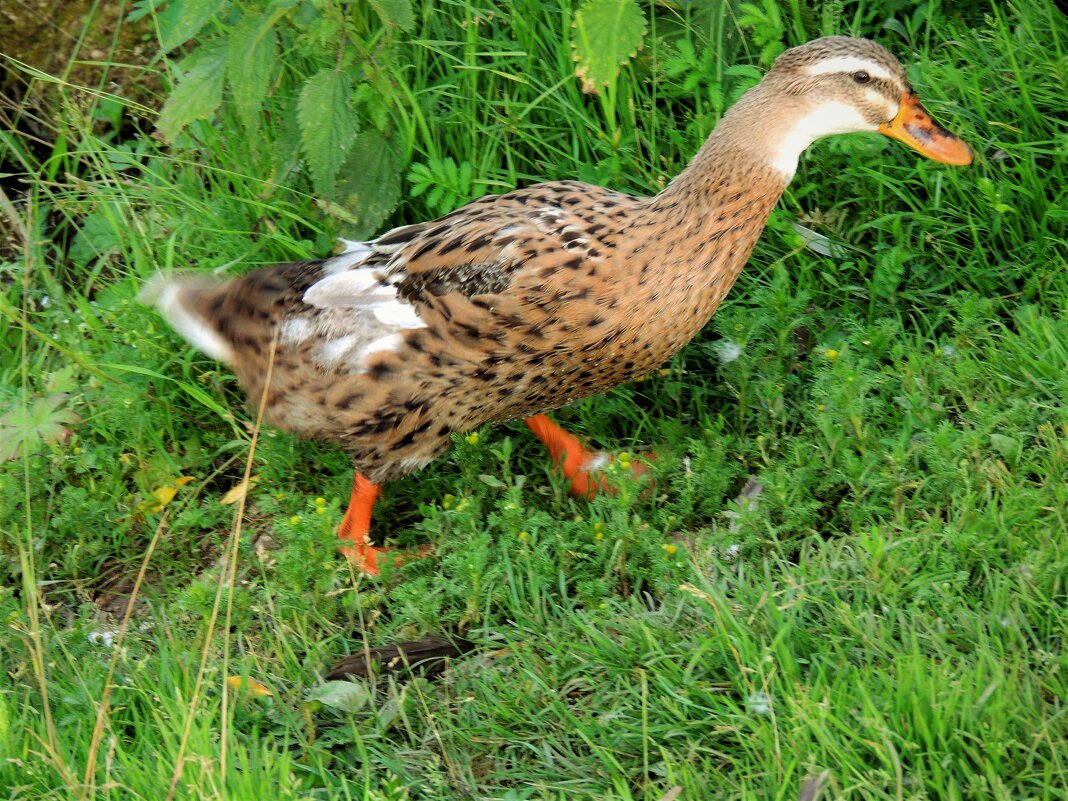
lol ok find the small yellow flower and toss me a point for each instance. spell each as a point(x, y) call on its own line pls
point(821, 407)
point(832, 354)
point(670, 548)
point(598, 535)
point(447, 501)
point(524, 536)
point(294, 519)
point(280, 496)
point(320, 501)
point(472, 438)
point(598, 527)
point(320, 510)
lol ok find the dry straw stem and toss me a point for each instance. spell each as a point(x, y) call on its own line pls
point(226, 578)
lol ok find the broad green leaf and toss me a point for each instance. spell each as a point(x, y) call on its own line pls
point(1010, 448)
point(368, 186)
point(183, 19)
point(97, 236)
point(328, 125)
point(286, 151)
point(373, 106)
point(395, 12)
point(344, 695)
point(44, 421)
point(197, 95)
point(251, 53)
point(607, 35)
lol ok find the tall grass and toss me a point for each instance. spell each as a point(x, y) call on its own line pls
point(890, 608)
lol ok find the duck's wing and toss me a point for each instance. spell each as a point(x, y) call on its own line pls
point(500, 262)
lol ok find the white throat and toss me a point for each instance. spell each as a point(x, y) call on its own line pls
point(830, 117)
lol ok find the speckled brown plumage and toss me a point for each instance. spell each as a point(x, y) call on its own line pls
point(516, 324)
point(521, 303)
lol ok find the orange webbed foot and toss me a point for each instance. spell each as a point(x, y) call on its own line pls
point(585, 469)
point(368, 559)
point(355, 528)
point(591, 478)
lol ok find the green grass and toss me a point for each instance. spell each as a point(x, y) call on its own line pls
point(891, 610)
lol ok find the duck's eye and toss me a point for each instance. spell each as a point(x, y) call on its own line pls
point(861, 77)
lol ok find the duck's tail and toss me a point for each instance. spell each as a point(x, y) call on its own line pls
point(230, 319)
point(186, 302)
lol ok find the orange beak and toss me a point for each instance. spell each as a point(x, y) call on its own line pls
point(914, 126)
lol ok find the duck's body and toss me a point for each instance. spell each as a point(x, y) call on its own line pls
point(509, 307)
point(521, 303)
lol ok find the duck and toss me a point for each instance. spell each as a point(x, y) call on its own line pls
point(521, 303)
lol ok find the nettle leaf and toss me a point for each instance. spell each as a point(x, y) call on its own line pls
point(369, 185)
point(252, 52)
point(286, 150)
point(373, 105)
point(395, 12)
point(607, 35)
point(183, 19)
point(328, 125)
point(197, 95)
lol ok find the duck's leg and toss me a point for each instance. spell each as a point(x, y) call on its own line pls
point(356, 527)
point(582, 467)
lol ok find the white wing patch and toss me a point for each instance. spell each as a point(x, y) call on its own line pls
point(294, 331)
point(399, 314)
point(360, 311)
point(354, 253)
point(388, 342)
point(334, 351)
point(354, 288)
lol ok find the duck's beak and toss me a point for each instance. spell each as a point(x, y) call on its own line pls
point(914, 126)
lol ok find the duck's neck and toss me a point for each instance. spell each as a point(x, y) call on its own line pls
point(716, 208)
point(755, 147)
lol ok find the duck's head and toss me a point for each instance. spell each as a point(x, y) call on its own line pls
point(840, 84)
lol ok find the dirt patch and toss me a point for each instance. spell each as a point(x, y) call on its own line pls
point(81, 42)
point(90, 49)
